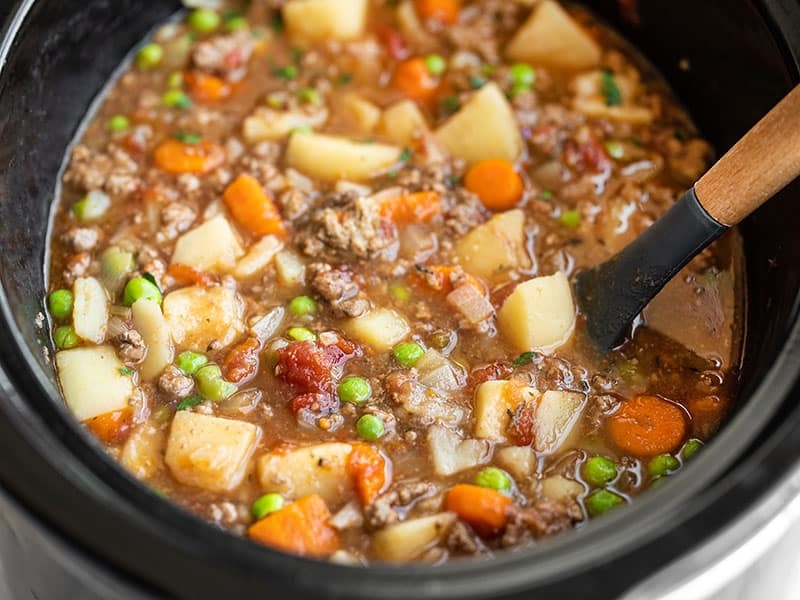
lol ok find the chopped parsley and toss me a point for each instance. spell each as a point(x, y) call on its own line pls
point(126, 371)
point(450, 104)
point(187, 138)
point(406, 155)
point(344, 79)
point(288, 72)
point(476, 82)
point(297, 55)
point(149, 276)
point(524, 359)
point(277, 23)
point(610, 89)
point(546, 195)
point(189, 402)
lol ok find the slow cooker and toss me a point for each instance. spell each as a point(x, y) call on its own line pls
point(73, 524)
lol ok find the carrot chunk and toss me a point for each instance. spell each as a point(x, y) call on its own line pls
point(647, 425)
point(113, 427)
point(368, 468)
point(484, 509)
point(188, 275)
point(177, 157)
point(496, 183)
point(206, 88)
point(252, 207)
point(418, 207)
point(413, 79)
point(443, 11)
point(300, 528)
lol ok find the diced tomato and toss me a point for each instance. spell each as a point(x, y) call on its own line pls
point(241, 362)
point(490, 372)
point(188, 275)
point(313, 368)
point(520, 430)
point(587, 156)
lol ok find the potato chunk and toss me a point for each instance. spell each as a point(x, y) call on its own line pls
point(590, 100)
point(268, 124)
point(484, 128)
point(90, 312)
point(93, 381)
point(258, 257)
point(320, 469)
point(551, 38)
point(198, 316)
point(213, 247)
point(331, 157)
point(142, 452)
point(520, 461)
point(560, 489)
point(407, 540)
point(495, 402)
point(209, 452)
point(539, 314)
point(320, 20)
point(403, 123)
point(380, 328)
point(361, 113)
point(150, 322)
point(496, 247)
point(556, 415)
point(452, 454)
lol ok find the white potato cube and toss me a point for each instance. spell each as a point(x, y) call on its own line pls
point(142, 453)
point(551, 38)
point(362, 113)
point(496, 247)
point(381, 328)
point(93, 380)
point(320, 20)
point(556, 415)
point(332, 157)
point(290, 268)
point(90, 310)
point(268, 124)
point(405, 541)
point(320, 469)
point(520, 461)
point(258, 257)
point(484, 128)
point(452, 454)
point(539, 314)
point(212, 247)
point(403, 123)
point(150, 322)
point(560, 489)
point(198, 316)
point(495, 402)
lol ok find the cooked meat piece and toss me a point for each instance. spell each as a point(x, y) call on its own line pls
point(598, 407)
point(337, 287)
point(465, 212)
point(88, 169)
point(77, 266)
point(225, 55)
point(384, 510)
point(175, 383)
point(176, 218)
point(545, 517)
point(462, 540)
point(294, 203)
point(131, 347)
point(81, 239)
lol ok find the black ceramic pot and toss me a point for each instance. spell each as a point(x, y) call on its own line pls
point(74, 525)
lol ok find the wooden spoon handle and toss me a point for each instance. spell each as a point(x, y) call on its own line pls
point(765, 160)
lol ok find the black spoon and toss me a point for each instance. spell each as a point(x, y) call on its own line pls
point(765, 160)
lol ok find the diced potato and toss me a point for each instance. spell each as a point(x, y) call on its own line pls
point(258, 257)
point(363, 114)
point(150, 322)
point(380, 328)
point(268, 124)
point(93, 381)
point(290, 268)
point(590, 101)
point(403, 123)
point(556, 415)
point(320, 20)
point(90, 310)
point(209, 452)
point(405, 541)
point(520, 461)
point(425, 405)
point(452, 454)
point(495, 401)
point(439, 372)
point(551, 38)
point(539, 314)
point(560, 488)
point(198, 316)
point(484, 128)
point(142, 453)
point(320, 469)
point(212, 247)
point(496, 247)
point(332, 157)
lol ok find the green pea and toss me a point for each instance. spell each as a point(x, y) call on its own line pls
point(60, 303)
point(354, 389)
point(149, 56)
point(176, 99)
point(65, 337)
point(175, 80)
point(301, 334)
point(663, 464)
point(408, 353)
point(189, 362)
point(599, 470)
point(203, 20)
point(308, 95)
point(268, 503)
point(211, 385)
point(302, 306)
point(615, 150)
point(91, 207)
point(435, 64)
point(602, 501)
point(690, 448)
point(236, 23)
point(494, 478)
point(370, 427)
point(139, 287)
point(118, 124)
point(570, 219)
point(522, 75)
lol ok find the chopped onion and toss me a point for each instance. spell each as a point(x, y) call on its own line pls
point(241, 403)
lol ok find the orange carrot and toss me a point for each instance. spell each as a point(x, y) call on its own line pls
point(188, 275)
point(178, 157)
point(368, 469)
point(707, 413)
point(440, 278)
point(252, 207)
point(206, 88)
point(483, 508)
point(113, 427)
point(412, 78)
point(419, 207)
point(496, 183)
point(242, 361)
point(443, 11)
point(300, 528)
point(647, 425)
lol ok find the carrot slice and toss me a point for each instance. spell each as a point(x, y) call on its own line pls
point(177, 157)
point(252, 207)
point(368, 468)
point(418, 207)
point(647, 425)
point(443, 11)
point(412, 78)
point(113, 427)
point(496, 183)
point(188, 275)
point(206, 88)
point(483, 508)
point(300, 528)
